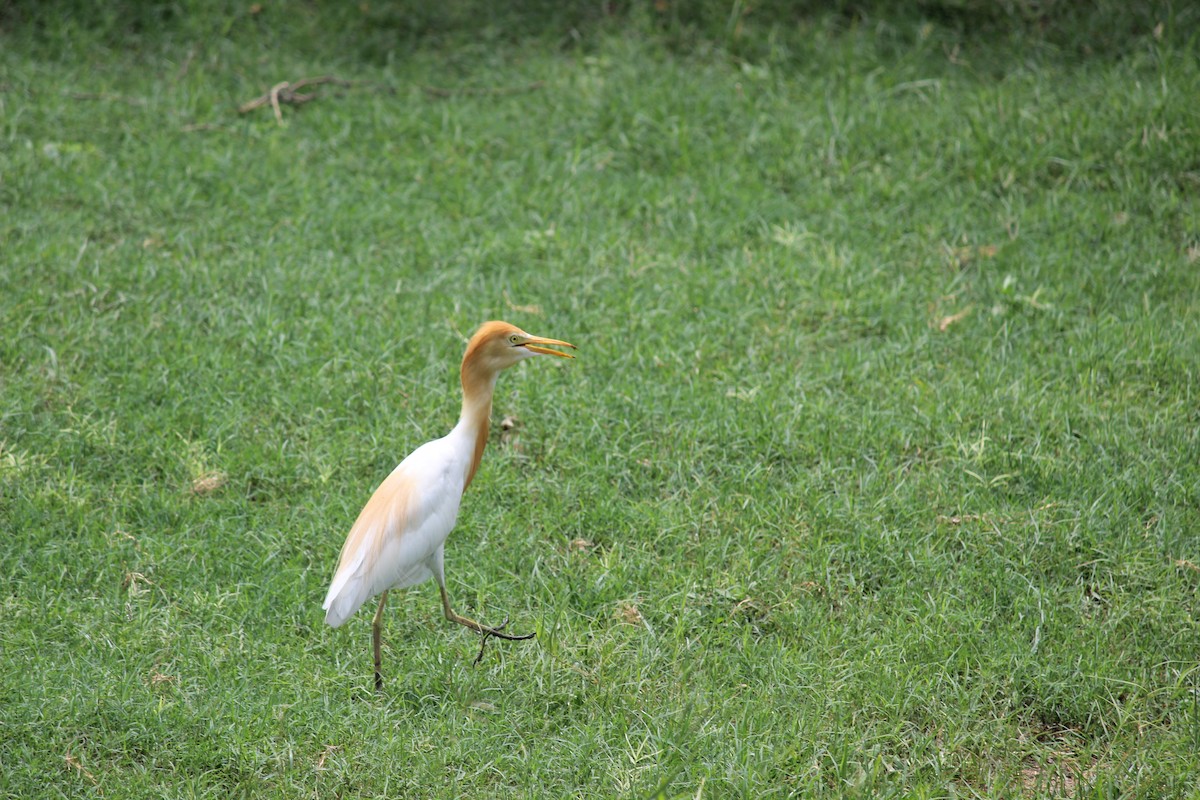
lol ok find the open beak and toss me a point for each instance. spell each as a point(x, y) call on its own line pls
point(536, 344)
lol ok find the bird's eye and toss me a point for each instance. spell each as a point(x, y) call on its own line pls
point(515, 339)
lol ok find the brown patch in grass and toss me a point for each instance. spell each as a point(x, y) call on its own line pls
point(1060, 776)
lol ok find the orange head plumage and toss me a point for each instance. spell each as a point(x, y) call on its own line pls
point(499, 345)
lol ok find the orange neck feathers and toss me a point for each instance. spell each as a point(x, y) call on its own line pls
point(476, 413)
point(478, 383)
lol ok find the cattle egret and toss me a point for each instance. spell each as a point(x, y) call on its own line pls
point(399, 536)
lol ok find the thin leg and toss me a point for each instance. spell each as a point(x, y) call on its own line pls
point(475, 626)
point(376, 635)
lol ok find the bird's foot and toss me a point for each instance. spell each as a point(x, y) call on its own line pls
point(485, 631)
point(496, 631)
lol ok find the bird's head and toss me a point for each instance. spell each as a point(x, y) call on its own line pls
point(499, 345)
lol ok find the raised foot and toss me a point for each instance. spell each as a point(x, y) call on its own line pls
point(484, 630)
point(497, 631)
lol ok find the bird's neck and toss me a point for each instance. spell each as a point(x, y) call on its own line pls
point(476, 412)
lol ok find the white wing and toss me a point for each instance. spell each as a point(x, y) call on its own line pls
point(407, 518)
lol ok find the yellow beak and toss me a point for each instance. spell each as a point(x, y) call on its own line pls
point(535, 344)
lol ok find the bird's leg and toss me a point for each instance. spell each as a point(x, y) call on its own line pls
point(376, 635)
point(475, 626)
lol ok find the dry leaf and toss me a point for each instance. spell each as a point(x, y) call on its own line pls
point(509, 435)
point(529, 309)
point(1183, 562)
point(959, 520)
point(628, 614)
point(946, 322)
point(749, 606)
point(742, 392)
point(208, 483)
point(125, 537)
point(582, 545)
point(989, 519)
point(133, 582)
point(74, 762)
point(329, 748)
point(962, 256)
point(157, 678)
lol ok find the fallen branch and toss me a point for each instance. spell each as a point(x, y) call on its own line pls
point(286, 92)
point(437, 91)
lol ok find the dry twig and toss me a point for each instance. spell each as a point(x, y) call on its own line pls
point(287, 92)
point(73, 761)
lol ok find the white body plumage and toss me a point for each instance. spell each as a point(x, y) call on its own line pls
point(398, 538)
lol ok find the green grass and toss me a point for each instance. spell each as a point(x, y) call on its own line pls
point(878, 473)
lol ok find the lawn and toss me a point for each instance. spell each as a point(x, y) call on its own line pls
point(877, 473)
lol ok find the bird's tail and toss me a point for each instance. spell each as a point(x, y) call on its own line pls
point(347, 596)
point(340, 608)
